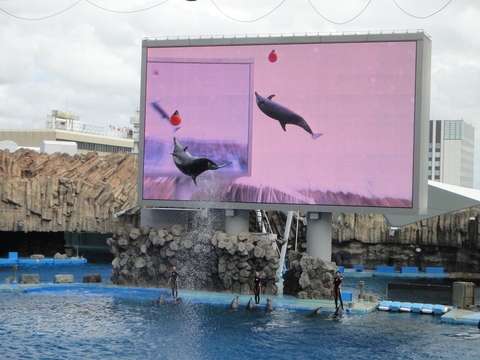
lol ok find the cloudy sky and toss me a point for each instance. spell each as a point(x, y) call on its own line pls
point(84, 56)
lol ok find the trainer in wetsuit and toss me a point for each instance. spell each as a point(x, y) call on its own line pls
point(256, 287)
point(335, 288)
point(173, 280)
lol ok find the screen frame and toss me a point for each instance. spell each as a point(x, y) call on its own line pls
point(421, 119)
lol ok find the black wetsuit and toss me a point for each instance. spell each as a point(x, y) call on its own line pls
point(256, 289)
point(337, 294)
point(173, 280)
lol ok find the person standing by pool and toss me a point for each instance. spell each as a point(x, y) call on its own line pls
point(173, 279)
point(335, 288)
point(256, 287)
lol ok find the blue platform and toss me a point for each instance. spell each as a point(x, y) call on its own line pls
point(395, 306)
point(416, 307)
point(406, 307)
point(347, 296)
point(434, 270)
point(390, 271)
point(386, 269)
point(409, 270)
point(13, 259)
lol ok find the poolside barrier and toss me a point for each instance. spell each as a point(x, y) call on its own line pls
point(386, 269)
point(397, 306)
point(434, 270)
point(409, 270)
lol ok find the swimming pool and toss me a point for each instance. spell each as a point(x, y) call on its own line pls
point(104, 324)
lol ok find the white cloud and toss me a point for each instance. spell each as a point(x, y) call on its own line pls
point(87, 60)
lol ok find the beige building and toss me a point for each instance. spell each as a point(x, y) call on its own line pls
point(62, 126)
point(451, 152)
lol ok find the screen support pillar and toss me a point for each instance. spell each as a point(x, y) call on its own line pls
point(319, 235)
point(236, 221)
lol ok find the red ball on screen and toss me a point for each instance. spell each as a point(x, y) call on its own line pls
point(272, 57)
point(175, 119)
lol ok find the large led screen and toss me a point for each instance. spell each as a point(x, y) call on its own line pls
point(281, 123)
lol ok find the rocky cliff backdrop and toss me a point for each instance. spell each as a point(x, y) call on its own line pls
point(63, 193)
point(81, 193)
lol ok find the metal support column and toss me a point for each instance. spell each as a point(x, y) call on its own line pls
point(236, 221)
point(319, 235)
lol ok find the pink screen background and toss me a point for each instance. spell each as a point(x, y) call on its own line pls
point(361, 96)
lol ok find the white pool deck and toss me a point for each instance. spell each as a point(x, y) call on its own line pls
point(460, 316)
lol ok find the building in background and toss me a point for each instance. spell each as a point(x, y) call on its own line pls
point(451, 152)
point(62, 126)
point(135, 121)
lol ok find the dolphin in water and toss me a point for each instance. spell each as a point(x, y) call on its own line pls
point(190, 165)
point(269, 306)
point(177, 301)
point(283, 115)
point(337, 315)
point(160, 299)
point(234, 303)
point(315, 312)
point(250, 305)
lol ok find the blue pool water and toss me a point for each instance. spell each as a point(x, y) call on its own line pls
point(69, 325)
point(103, 323)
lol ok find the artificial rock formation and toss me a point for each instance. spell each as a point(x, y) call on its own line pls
point(206, 259)
point(308, 277)
point(59, 192)
point(451, 241)
point(81, 193)
point(94, 278)
point(29, 279)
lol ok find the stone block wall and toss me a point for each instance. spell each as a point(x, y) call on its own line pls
point(206, 259)
point(308, 277)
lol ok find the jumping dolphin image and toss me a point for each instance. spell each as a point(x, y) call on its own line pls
point(163, 114)
point(160, 111)
point(190, 165)
point(283, 115)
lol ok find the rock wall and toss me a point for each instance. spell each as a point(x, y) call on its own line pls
point(206, 260)
point(450, 241)
point(308, 277)
point(59, 192)
point(81, 193)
